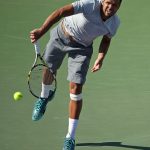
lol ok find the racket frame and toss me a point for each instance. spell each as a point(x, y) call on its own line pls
point(35, 64)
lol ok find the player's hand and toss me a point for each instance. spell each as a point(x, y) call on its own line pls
point(97, 65)
point(35, 35)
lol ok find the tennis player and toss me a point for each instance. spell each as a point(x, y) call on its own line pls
point(80, 23)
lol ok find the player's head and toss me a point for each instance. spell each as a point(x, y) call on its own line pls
point(119, 1)
point(110, 7)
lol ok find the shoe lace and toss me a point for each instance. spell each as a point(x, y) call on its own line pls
point(39, 105)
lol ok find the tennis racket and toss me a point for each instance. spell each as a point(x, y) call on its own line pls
point(37, 75)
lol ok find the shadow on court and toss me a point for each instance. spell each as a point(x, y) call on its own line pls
point(113, 144)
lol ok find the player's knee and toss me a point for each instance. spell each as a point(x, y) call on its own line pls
point(75, 91)
point(75, 88)
point(76, 97)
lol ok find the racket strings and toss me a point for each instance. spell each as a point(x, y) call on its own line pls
point(36, 81)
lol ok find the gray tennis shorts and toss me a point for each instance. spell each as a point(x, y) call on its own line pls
point(78, 55)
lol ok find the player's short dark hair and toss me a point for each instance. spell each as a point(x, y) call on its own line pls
point(120, 1)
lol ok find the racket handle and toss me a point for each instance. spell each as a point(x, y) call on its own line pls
point(37, 47)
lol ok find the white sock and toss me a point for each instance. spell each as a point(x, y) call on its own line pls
point(73, 123)
point(45, 90)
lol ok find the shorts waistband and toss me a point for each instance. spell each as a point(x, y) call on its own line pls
point(64, 34)
point(67, 34)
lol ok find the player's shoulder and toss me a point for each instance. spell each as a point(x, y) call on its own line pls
point(91, 2)
point(94, 3)
point(116, 20)
point(86, 6)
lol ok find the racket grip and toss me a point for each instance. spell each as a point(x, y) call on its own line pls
point(37, 47)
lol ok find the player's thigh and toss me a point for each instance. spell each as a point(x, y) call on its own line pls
point(53, 54)
point(78, 65)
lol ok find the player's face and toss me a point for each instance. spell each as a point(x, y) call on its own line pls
point(110, 7)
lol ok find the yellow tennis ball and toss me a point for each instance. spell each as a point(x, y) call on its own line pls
point(18, 96)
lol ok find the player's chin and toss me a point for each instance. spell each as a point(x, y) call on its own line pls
point(109, 14)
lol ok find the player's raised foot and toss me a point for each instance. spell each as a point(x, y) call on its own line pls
point(40, 107)
point(69, 144)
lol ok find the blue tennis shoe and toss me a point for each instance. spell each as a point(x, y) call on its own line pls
point(40, 107)
point(69, 144)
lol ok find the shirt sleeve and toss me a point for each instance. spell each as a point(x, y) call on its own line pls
point(84, 6)
point(115, 25)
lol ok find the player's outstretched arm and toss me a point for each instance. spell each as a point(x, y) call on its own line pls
point(50, 21)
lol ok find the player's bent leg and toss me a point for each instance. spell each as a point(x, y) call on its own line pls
point(48, 85)
point(46, 96)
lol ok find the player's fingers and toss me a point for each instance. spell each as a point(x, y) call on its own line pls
point(32, 38)
point(34, 33)
point(94, 69)
point(33, 41)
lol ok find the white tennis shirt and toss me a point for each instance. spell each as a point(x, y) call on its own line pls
point(86, 24)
